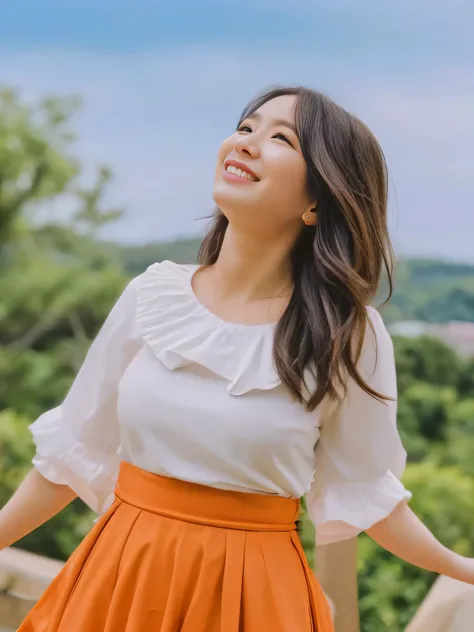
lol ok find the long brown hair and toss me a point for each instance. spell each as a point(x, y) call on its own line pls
point(337, 264)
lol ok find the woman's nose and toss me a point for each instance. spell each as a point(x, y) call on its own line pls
point(247, 145)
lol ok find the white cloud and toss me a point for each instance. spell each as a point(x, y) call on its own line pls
point(158, 120)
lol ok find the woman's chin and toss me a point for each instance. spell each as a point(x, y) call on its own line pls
point(235, 198)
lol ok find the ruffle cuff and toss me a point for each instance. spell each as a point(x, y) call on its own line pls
point(63, 460)
point(345, 509)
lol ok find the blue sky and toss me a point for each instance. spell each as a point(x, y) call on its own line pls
point(162, 84)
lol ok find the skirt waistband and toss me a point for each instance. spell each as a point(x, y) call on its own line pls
point(191, 502)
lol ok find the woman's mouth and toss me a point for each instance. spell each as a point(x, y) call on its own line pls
point(236, 171)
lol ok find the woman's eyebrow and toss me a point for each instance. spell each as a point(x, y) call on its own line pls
point(275, 122)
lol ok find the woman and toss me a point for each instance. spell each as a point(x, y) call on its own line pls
point(220, 394)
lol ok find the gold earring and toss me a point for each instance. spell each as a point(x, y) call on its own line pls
point(310, 218)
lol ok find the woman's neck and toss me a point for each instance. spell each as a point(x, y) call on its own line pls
point(250, 269)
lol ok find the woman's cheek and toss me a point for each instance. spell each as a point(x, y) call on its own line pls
point(225, 149)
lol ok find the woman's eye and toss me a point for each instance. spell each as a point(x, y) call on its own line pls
point(245, 128)
point(283, 138)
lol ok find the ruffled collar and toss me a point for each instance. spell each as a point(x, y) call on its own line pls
point(181, 331)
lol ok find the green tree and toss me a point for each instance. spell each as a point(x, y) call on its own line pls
point(57, 281)
point(34, 162)
point(57, 284)
point(425, 359)
point(460, 447)
point(465, 381)
point(424, 410)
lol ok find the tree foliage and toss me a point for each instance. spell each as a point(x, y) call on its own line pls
point(57, 284)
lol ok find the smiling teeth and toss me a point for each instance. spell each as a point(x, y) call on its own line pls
point(240, 173)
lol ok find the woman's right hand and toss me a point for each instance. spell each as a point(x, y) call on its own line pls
point(34, 503)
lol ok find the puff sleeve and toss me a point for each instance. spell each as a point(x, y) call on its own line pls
point(359, 457)
point(77, 442)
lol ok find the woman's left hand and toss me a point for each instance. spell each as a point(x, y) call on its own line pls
point(404, 535)
point(464, 570)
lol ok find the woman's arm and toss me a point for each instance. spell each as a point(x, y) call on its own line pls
point(404, 535)
point(34, 503)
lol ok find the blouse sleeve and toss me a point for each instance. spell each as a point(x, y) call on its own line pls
point(359, 457)
point(77, 442)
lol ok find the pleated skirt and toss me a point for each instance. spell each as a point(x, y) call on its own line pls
point(173, 556)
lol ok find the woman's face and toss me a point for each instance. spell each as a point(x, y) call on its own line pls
point(261, 173)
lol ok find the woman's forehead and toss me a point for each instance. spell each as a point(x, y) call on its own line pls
point(281, 107)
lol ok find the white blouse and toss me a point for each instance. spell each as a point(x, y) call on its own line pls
point(175, 390)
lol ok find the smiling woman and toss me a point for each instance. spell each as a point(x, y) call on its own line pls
point(217, 395)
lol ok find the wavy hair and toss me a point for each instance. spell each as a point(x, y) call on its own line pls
point(336, 264)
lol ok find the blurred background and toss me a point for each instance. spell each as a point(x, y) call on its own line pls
point(111, 114)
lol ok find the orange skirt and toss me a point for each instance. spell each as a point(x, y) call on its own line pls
point(172, 556)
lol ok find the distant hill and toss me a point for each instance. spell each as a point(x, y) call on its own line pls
point(137, 258)
point(433, 291)
point(430, 290)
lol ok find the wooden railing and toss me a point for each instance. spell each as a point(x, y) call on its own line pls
point(23, 579)
point(449, 607)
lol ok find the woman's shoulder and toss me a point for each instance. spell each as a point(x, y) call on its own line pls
point(164, 272)
point(164, 280)
point(377, 325)
point(163, 289)
point(377, 348)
